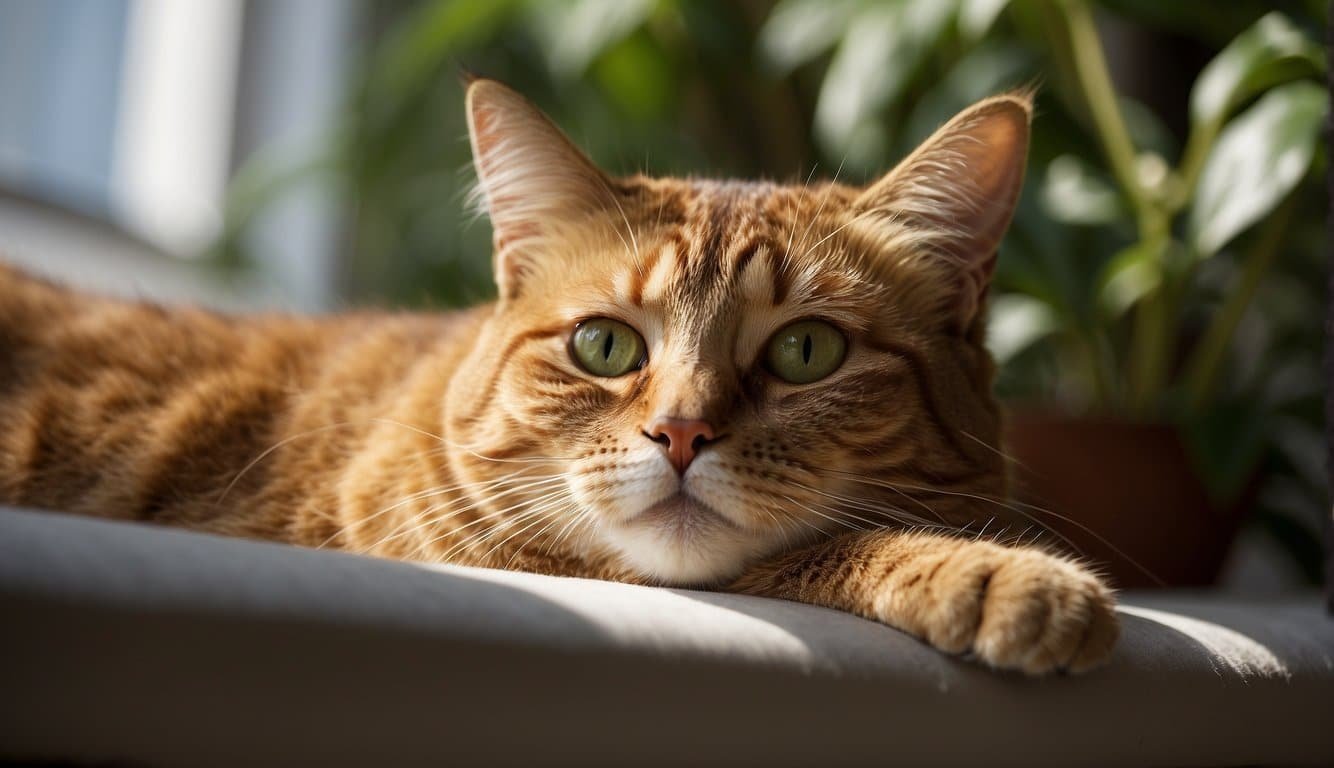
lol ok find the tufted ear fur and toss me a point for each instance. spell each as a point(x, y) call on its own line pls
point(530, 176)
point(957, 193)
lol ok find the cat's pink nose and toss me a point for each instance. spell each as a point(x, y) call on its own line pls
point(681, 438)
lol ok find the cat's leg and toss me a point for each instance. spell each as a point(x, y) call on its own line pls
point(1010, 607)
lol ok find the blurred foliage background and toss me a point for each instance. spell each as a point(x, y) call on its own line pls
point(1167, 260)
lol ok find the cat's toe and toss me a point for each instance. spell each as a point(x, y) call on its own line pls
point(960, 587)
point(1043, 614)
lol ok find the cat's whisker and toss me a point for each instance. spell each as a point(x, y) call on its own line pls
point(555, 519)
point(533, 506)
point(438, 491)
point(585, 533)
point(519, 460)
point(629, 230)
point(1020, 538)
point(531, 517)
point(429, 517)
point(546, 492)
point(1018, 508)
point(484, 491)
point(553, 516)
point(839, 228)
point(470, 450)
point(581, 516)
point(864, 504)
point(887, 515)
point(309, 433)
point(894, 513)
point(983, 530)
point(900, 487)
point(418, 430)
point(501, 521)
point(480, 536)
point(799, 519)
point(269, 451)
point(906, 496)
point(796, 207)
point(803, 520)
point(786, 528)
point(823, 201)
point(817, 513)
point(994, 449)
point(770, 513)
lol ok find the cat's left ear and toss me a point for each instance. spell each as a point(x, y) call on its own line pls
point(530, 177)
point(957, 193)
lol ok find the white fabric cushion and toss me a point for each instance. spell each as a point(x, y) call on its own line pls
point(132, 643)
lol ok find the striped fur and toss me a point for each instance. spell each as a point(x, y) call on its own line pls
point(474, 438)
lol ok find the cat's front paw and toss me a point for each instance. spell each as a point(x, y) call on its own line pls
point(1018, 609)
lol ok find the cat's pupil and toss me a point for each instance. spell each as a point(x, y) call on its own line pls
point(806, 350)
point(607, 345)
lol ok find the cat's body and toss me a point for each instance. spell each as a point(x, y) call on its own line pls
point(721, 448)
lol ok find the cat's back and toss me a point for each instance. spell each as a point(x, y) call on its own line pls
point(54, 339)
point(134, 410)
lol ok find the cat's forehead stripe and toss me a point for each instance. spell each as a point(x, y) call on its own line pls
point(654, 273)
point(728, 247)
point(642, 272)
point(782, 283)
point(754, 276)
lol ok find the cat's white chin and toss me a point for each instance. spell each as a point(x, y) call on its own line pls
point(682, 542)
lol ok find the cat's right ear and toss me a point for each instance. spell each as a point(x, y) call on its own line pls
point(530, 177)
point(959, 190)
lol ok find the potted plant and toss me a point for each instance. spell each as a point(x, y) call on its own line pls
point(1144, 456)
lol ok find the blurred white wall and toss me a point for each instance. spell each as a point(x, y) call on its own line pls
point(60, 94)
point(174, 131)
point(292, 81)
point(137, 113)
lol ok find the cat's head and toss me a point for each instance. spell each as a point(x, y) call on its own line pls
point(691, 373)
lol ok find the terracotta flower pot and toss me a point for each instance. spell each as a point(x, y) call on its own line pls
point(1134, 502)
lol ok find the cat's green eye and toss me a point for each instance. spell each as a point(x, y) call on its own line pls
point(605, 347)
point(806, 351)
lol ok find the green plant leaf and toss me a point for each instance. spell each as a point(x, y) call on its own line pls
point(432, 34)
point(876, 59)
point(636, 77)
point(575, 33)
point(1270, 52)
point(977, 16)
point(1074, 193)
point(985, 70)
point(1258, 158)
point(798, 31)
point(1016, 323)
point(1131, 275)
point(1147, 131)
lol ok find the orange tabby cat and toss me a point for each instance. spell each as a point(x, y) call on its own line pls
point(769, 389)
